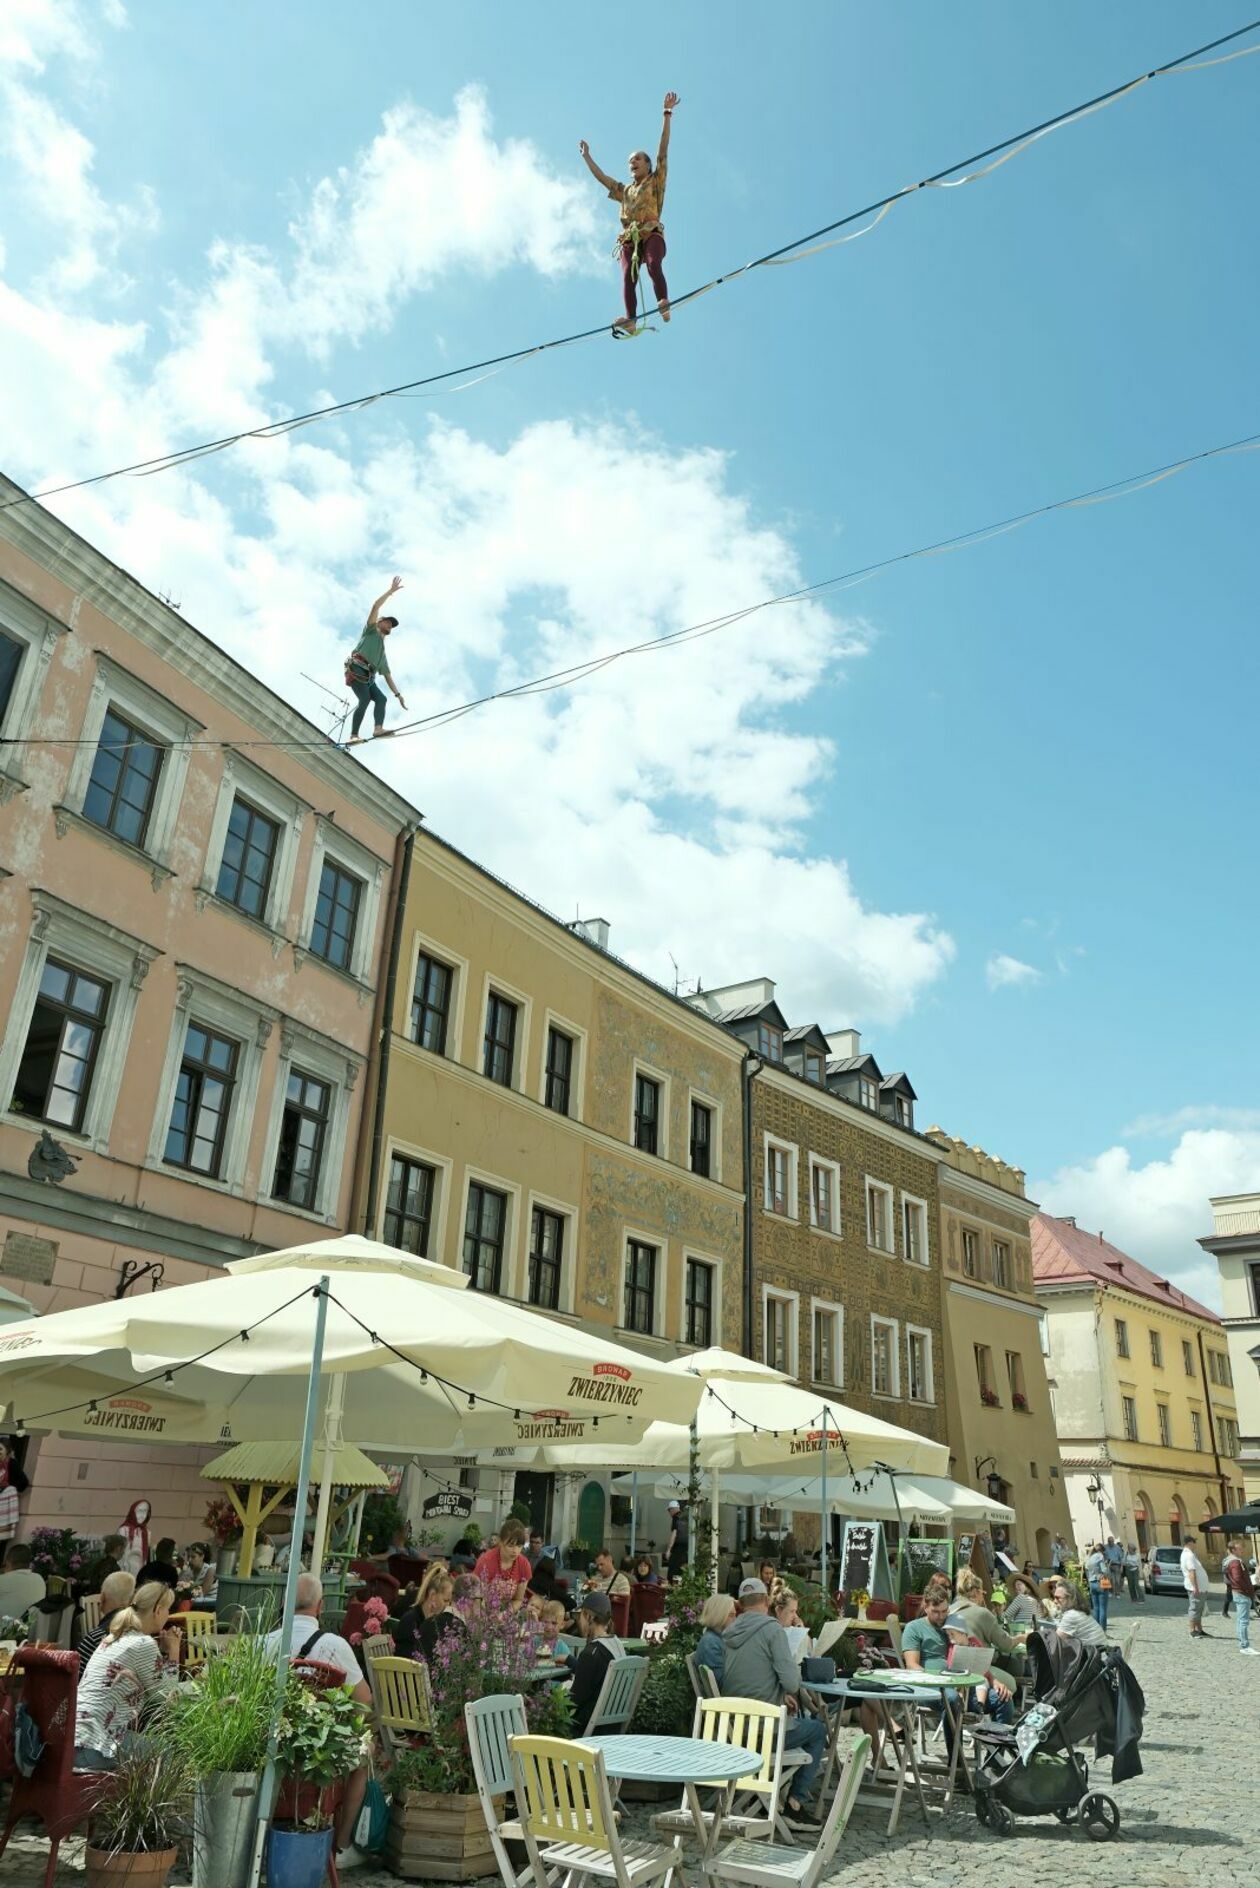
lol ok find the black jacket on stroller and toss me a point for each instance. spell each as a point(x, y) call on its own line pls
point(1095, 1694)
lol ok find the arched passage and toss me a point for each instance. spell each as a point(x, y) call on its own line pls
point(1144, 1521)
point(1178, 1520)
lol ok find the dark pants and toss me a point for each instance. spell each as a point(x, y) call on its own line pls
point(365, 692)
point(1131, 1581)
point(651, 256)
point(808, 1734)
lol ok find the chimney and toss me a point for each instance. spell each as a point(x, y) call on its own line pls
point(1069, 1219)
point(844, 1043)
point(594, 930)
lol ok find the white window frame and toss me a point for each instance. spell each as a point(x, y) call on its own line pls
point(830, 1309)
point(999, 1246)
point(1163, 1424)
point(890, 1200)
point(894, 1354)
point(714, 1263)
point(568, 1212)
point(868, 1094)
point(513, 1237)
point(928, 1401)
point(715, 1138)
point(200, 998)
point(306, 1049)
point(925, 1225)
point(640, 1067)
point(23, 623)
point(443, 1167)
point(1196, 1431)
point(241, 777)
point(499, 986)
point(338, 847)
point(104, 950)
point(966, 1233)
point(832, 1169)
point(792, 1299)
point(641, 1236)
point(577, 1074)
point(170, 726)
point(792, 1152)
point(419, 942)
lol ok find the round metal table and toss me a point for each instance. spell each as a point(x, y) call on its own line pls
point(895, 1702)
point(689, 1761)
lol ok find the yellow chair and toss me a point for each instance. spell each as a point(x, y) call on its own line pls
point(566, 1816)
point(400, 1695)
point(199, 1628)
point(379, 1646)
point(91, 1605)
point(747, 1724)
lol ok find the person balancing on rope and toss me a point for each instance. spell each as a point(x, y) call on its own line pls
point(366, 662)
point(642, 240)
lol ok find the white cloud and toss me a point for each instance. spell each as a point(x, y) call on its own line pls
point(1161, 1127)
point(1157, 1211)
point(1001, 972)
point(668, 791)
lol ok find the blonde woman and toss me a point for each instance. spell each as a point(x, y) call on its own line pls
point(132, 1668)
point(715, 1616)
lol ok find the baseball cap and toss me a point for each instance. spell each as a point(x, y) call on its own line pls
point(673, 1506)
point(752, 1589)
point(598, 1605)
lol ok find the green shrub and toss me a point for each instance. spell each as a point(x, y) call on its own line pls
point(667, 1702)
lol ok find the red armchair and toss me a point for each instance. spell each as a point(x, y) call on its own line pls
point(60, 1796)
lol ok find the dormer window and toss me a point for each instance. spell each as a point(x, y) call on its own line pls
point(769, 1042)
point(813, 1068)
point(868, 1093)
point(904, 1111)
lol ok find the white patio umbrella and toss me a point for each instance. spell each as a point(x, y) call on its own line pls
point(869, 1498)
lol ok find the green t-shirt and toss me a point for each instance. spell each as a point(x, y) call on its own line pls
point(928, 1641)
point(371, 646)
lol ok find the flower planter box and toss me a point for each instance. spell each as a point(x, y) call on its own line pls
point(439, 1838)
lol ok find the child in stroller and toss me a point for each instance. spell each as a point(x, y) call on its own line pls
point(1037, 1769)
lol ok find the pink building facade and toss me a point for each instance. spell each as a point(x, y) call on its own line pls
point(195, 895)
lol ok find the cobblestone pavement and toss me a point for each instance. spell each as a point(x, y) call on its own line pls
point(1193, 1817)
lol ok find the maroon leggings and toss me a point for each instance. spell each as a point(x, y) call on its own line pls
point(651, 257)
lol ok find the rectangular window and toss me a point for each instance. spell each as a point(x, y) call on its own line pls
point(1157, 1349)
point(1187, 1356)
point(780, 1181)
point(1165, 1425)
point(879, 1220)
point(971, 1252)
point(904, 1111)
point(813, 1068)
point(557, 1090)
point(1002, 1264)
point(203, 1102)
point(303, 1127)
point(485, 1224)
point(984, 1373)
point(698, 1327)
point(884, 1358)
point(546, 1255)
point(1122, 1338)
point(249, 854)
point(10, 663)
point(54, 1077)
point(868, 1093)
point(640, 1310)
point(914, 1231)
point(647, 1114)
point(499, 1049)
point(124, 780)
point(1128, 1410)
point(1227, 1429)
point(1253, 1273)
point(431, 1003)
point(824, 1203)
point(769, 1042)
point(828, 1359)
point(1015, 1378)
point(336, 915)
point(409, 1205)
point(780, 1348)
point(919, 1360)
point(701, 1139)
point(1196, 1431)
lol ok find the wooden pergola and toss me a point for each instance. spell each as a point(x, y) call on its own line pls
point(257, 1477)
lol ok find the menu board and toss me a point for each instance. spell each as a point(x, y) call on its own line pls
point(864, 1560)
point(921, 1558)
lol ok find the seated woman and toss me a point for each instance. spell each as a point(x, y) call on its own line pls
point(132, 1668)
point(715, 1616)
point(1023, 1608)
point(981, 1624)
point(1075, 1620)
point(644, 1572)
point(544, 1579)
point(592, 1662)
point(429, 1619)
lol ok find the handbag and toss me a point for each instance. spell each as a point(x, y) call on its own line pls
point(1104, 1584)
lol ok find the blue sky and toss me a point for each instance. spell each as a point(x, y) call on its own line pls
point(1036, 750)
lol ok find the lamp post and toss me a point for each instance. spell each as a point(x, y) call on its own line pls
point(1094, 1491)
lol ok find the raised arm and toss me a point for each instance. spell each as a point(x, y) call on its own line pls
point(671, 99)
point(601, 176)
point(373, 613)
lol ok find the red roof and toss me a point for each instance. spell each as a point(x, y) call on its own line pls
point(1062, 1252)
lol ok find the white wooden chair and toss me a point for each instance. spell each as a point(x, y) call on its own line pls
point(749, 1725)
point(618, 1698)
point(568, 1822)
point(770, 1865)
point(491, 1722)
point(91, 1605)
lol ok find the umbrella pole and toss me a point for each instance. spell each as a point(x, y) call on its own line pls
point(714, 1479)
point(823, 1517)
point(634, 1507)
point(892, 1483)
point(267, 1788)
point(693, 1491)
point(333, 1406)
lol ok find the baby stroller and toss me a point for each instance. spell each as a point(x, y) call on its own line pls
point(1036, 1767)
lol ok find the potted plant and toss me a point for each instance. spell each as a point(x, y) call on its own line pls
point(138, 1819)
point(222, 1523)
point(323, 1739)
point(218, 1724)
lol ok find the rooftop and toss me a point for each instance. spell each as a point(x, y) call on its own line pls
point(1063, 1254)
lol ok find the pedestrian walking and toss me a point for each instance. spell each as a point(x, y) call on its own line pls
point(1194, 1573)
point(1099, 1584)
point(1058, 1554)
point(1132, 1570)
point(1242, 1593)
point(1113, 1553)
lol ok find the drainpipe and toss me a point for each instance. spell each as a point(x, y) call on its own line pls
point(753, 1066)
point(385, 1018)
point(1226, 1503)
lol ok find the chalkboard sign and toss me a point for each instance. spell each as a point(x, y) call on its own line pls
point(921, 1559)
point(864, 1560)
point(449, 1505)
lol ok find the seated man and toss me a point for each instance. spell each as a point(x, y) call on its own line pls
point(20, 1588)
point(925, 1644)
point(606, 1578)
point(759, 1664)
point(309, 1640)
point(116, 1592)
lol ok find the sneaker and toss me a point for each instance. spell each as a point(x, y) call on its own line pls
point(805, 1817)
point(350, 1858)
point(1249, 1652)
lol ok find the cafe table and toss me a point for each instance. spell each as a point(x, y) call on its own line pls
point(695, 1763)
point(896, 1698)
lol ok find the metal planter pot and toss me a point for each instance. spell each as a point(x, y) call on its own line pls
point(225, 1819)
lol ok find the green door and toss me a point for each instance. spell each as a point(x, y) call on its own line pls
point(590, 1524)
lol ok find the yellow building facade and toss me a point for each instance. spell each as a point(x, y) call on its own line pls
point(558, 1127)
point(999, 1414)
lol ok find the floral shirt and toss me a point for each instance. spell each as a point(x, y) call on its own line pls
point(642, 203)
point(123, 1677)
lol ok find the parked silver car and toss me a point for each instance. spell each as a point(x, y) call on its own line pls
point(1163, 1571)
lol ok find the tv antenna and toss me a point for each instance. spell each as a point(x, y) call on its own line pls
point(336, 709)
